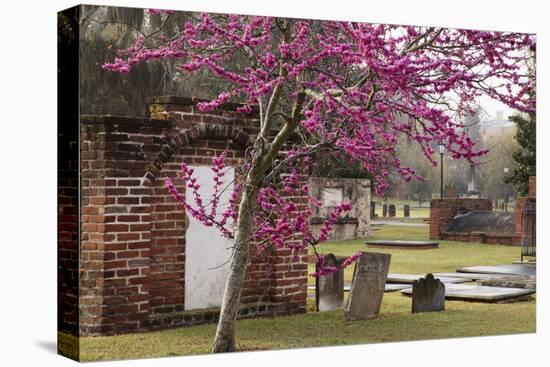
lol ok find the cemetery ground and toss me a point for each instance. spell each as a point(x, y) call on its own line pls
point(313, 329)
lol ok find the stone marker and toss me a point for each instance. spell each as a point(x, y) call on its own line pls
point(391, 210)
point(385, 210)
point(367, 287)
point(329, 288)
point(407, 211)
point(428, 295)
point(372, 209)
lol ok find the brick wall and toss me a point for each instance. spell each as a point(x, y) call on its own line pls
point(133, 233)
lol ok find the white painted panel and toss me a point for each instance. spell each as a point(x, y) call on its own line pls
point(207, 252)
point(332, 196)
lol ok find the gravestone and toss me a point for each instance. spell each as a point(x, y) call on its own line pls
point(428, 295)
point(385, 210)
point(451, 191)
point(367, 287)
point(391, 210)
point(373, 209)
point(329, 289)
point(407, 211)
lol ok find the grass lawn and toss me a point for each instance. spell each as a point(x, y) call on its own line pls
point(396, 323)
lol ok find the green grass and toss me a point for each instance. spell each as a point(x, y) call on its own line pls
point(396, 323)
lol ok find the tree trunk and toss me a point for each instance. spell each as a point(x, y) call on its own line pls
point(263, 157)
point(224, 340)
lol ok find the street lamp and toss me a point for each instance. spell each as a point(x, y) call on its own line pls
point(506, 170)
point(441, 153)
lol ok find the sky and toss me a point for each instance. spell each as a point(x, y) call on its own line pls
point(491, 106)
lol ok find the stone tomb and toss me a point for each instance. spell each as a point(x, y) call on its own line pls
point(428, 295)
point(391, 210)
point(367, 287)
point(332, 192)
point(329, 289)
point(406, 210)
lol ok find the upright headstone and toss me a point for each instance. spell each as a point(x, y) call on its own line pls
point(391, 210)
point(385, 210)
point(362, 207)
point(406, 211)
point(372, 209)
point(451, 191)
point(428, 295)
point(329, 289)
point(367, 287)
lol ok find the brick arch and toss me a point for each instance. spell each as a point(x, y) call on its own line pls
point(187, 136)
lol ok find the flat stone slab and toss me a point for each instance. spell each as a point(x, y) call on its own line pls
point(388, 288)
point(396, 287)
point(409, 245)
point(510, 269)
point(478, 293)
point(510, 281)
point(409, 278)
point(470, 276)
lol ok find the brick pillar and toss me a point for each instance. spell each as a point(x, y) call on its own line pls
point(116, 222)
point(289, 276)
point(438, 218)
point(520, 205)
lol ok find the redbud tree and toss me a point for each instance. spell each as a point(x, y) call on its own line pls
point(351, 89)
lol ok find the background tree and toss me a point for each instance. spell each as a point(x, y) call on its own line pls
point(337, 86)
point(525, 156)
